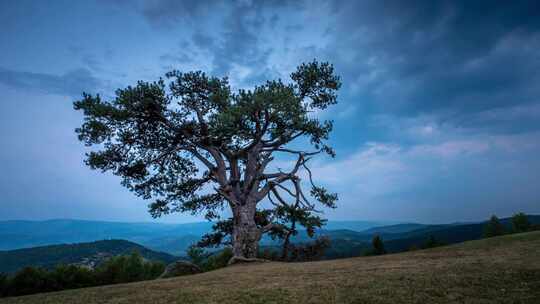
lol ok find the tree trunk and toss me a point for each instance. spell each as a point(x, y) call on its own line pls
point(246, 234)
point(285, 249)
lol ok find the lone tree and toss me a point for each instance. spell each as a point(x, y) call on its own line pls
point(378, 245)
point(493, 227)
point(192, 145)
point(520, 222)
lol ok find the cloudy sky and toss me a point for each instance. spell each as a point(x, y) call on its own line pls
point(438, 119)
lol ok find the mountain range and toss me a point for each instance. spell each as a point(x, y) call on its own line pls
point(47, 243)
point(171, 238)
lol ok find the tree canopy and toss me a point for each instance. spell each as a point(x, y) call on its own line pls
point(493, 227)
point(520, 222)
point(191, 144)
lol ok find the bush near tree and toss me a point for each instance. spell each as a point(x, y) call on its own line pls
point(71, 276)
point(310, 251)
point(520, 223)
point(218, 260)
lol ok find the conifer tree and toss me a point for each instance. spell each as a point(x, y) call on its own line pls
point(192, 145)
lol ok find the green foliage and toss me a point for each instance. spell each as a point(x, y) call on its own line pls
point(310, 251)
point(197, 255)
point(432, 242)
point(520, 222)
point(123, 269)
point(218, 260)
point(119, 269)
point(378, 245)
point(150, 141)
point(413, 248)
point(209, 261)
point(220, 235)
point(171, 141)
point(286, 218)
point(270, 253)
point(31, 280)
point(71, 276)
point(50, 256)
point(493, 227)
point(152, 270)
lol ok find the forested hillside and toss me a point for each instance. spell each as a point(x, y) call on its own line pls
point(87, 254)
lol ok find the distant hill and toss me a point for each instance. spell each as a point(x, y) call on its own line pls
point(347, 243)
point(397, 228)
point(170, 238)
point(497, 270)
point(353, 225)
point(349, 238)
point(25, 234)
point(82, 253)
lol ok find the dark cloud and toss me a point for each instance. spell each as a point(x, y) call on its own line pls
point(89, 59)
point(427, 55)
point(203, 40)
point(446, 58)
point(234, 42)
point(72, 83)
point(169, 12)
point(452, 60)
point(240, 41)
point(177, 57)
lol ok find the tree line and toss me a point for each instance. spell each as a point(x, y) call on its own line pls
point(519, 223)
point(119, 269)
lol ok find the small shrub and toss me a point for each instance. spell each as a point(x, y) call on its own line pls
point(71, 276)
point(153, 270)
point(134, 269)
point(31, 280)
point(311, 251)
point(432, 242)
point(218, 260)
point(493, 227)
point(520, 222)
point(119, 269)
point(111, 271)
point(413, 248)
point(271, 254)
point(124, 269)
point(378, 245)
point(197, 255)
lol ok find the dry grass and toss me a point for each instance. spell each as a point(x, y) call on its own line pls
point(498, 270)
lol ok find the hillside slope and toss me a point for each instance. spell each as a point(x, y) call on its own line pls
point(498, 270)
point(81, 253)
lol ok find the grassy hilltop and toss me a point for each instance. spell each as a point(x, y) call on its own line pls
point(497, 270)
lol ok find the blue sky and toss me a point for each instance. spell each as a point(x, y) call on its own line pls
point(438, 119)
